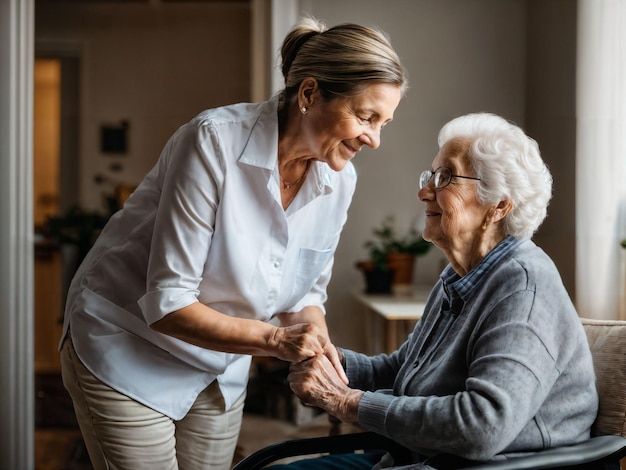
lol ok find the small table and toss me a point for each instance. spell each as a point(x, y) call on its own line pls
point(396, 311)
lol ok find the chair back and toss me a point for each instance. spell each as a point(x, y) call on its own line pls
point(607, 340)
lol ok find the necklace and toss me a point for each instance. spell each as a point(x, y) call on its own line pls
point(298, 181)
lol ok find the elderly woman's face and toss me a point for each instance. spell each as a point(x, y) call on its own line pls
point(337, 130)
point(454, 215)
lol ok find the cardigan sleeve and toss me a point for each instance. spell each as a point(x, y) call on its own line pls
point(371, 373)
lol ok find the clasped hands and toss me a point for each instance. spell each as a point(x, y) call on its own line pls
point(320, 381)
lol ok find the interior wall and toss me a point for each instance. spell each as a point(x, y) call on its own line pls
point(153, 65)
point(551, 120)
point(462, 56)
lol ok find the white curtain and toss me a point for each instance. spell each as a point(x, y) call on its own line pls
point(601, 158)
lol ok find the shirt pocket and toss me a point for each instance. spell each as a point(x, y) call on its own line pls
point(311, 264)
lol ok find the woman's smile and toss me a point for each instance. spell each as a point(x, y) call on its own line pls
point(353, 151)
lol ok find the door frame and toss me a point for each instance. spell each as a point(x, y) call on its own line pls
point(16, 236)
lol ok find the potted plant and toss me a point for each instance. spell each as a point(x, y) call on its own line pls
point(391, 256)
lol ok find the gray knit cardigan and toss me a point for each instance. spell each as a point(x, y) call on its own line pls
point(510, 372)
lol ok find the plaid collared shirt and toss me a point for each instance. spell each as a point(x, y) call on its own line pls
point(458, 290)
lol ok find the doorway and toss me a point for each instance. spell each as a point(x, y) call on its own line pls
point(55, 118)
point(46, 139)
point(55, 191)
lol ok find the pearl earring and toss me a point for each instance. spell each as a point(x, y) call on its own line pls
point(303, 110)
point(484, 226)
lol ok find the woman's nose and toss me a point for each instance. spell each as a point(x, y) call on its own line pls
point(426, 193)
point(372, 138)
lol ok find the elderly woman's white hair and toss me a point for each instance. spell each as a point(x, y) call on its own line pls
point(509, 166)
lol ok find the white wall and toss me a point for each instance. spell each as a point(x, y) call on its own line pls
point(551, 120)
point(462, 56)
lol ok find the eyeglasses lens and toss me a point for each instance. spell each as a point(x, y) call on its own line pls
point(442, 178)
point(425, 177)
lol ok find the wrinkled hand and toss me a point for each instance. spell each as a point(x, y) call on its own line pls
point(298, 342)
point(330, 351)
point(317, 383)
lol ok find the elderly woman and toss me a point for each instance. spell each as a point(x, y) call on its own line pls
point(499, 363)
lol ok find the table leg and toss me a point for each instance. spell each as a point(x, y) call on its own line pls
point(391, 336)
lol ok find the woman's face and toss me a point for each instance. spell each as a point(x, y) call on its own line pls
point(454, 216)
point(336, 130)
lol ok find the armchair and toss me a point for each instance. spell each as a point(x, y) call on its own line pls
point(607, 340)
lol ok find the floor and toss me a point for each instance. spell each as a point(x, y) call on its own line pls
point(61, 449)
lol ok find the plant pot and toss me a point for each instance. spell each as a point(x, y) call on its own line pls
point(402, 264)
point(377, 281)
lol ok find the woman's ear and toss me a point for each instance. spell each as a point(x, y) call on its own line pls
point(307, 93)
point(501, 210)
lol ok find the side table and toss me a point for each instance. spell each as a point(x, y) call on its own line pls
point(397, 313)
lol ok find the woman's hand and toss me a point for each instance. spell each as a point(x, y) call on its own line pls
point(316, 382)
point(315, 316)
point(298, 342)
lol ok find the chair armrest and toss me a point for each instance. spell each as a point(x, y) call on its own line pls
point(595, 450)
point(339, 444)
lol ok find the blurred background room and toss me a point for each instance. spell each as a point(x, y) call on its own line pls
point(92, 89)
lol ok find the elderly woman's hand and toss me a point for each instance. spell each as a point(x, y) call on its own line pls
point(317, 383)
point(333, 355)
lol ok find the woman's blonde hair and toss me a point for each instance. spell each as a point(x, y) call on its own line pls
point(343, 59)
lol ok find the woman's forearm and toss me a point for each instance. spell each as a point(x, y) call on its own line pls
point(202, 326)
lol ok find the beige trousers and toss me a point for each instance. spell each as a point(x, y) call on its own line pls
point(122, 434)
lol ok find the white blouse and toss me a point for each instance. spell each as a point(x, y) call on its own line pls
point(206, 224)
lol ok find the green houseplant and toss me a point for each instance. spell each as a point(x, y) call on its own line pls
point(391, 256)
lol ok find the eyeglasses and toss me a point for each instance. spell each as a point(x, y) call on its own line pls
point(441, 177)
